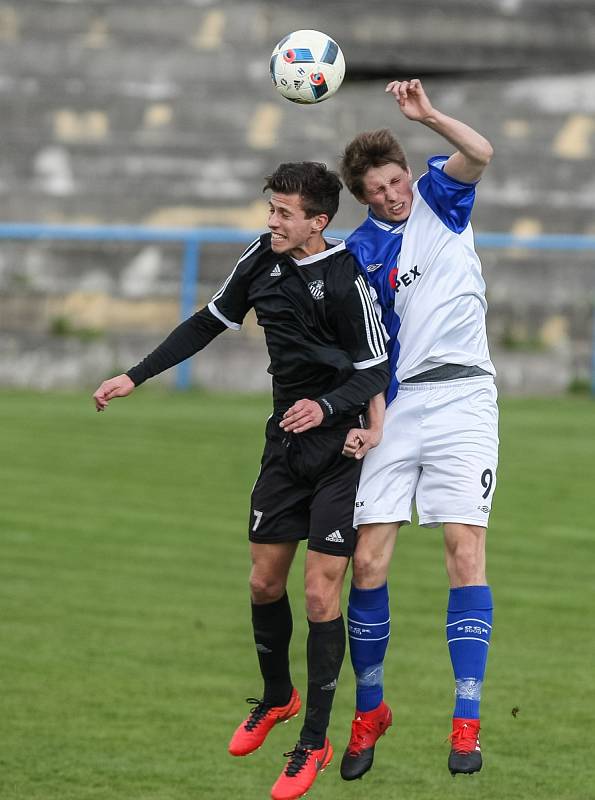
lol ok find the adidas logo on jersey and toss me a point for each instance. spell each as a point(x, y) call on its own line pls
point(335, 536)
point(276, 271)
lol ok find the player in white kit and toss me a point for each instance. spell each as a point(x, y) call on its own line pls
point(439, 444)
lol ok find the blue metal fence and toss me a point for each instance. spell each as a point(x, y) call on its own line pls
point(191, 240)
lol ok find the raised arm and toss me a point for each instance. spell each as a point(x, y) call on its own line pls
point(474, 152)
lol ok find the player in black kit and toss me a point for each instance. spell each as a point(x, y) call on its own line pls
point(327, 360)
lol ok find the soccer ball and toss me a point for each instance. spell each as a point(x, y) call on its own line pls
point(307, 67)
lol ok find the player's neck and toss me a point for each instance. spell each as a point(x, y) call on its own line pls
point(311, 247)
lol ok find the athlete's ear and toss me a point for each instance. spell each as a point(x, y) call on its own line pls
point(409, 173)
point(319, 222)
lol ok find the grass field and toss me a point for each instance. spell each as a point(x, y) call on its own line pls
point(126, 648)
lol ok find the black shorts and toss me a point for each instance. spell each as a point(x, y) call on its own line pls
point(305, 490)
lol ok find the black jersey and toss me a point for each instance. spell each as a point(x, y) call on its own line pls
point(323, 336)
point(318, 319)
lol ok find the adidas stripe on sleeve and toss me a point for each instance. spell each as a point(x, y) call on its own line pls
point(360, 331)
point(230, 304)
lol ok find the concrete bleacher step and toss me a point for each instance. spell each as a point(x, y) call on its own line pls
point(127, 111)
point(111, 115)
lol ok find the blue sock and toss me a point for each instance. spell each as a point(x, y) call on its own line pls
point(468, 631)
point(368, 625)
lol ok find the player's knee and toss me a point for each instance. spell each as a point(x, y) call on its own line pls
point(315, 605)
point(369, 568)
point(322, 600)
point(469, 570)
point(265, 588)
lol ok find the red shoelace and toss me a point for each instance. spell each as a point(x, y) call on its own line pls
point(464, 738)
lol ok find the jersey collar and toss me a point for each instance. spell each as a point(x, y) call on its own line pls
point(336, 246)
point(386, 226)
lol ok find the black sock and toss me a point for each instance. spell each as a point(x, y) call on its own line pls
point(326, 648)
point(273, 626)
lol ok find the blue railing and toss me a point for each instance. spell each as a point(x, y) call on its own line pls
point(191, 241)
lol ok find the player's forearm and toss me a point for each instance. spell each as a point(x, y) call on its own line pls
point(474, 150)
point(375, 415)
point(356, 391)
point(184, 341)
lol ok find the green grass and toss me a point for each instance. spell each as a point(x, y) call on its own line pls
point(125, 639)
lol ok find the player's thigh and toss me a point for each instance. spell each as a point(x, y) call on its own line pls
point(279, 504)
point(391, 470)
point(331, 508)
point(459, 456)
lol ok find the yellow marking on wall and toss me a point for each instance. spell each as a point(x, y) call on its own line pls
point(59, 217)
point(554, 332)
point(516, 128)
point(105, 312)
point(252, 217)
point(86, 126)
point(9, 24)
point(97, 36)
point(574, 139)
point(210, 34)
point(263, 128)
point(158, 115)
point(527, 226)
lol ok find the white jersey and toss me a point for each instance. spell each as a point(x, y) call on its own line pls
point(426, 279)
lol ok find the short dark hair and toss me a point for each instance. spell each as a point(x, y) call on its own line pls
point(369, 149)
point(317, 186)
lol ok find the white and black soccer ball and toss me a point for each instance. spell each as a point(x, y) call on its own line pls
point(307, 66)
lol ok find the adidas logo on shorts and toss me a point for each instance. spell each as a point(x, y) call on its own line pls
point(335, 536)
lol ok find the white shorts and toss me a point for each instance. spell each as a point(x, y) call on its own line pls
point(440, 449)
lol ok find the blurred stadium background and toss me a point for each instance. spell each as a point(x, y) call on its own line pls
point(162, 114)
point(126, 645)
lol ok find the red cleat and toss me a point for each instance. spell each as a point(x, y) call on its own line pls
point(252, 732)
point(366, 729)
point(301, 771)
point(465, 753)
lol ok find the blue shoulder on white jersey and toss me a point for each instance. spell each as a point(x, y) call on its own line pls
point(451, 200)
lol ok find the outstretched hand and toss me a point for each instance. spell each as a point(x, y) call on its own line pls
point(412, 99)
point(120, 386)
